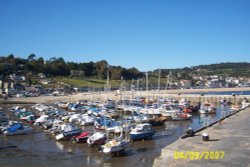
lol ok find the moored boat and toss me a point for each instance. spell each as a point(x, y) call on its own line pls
point(82, 138)
point(207, 108)
point(181, 117)
point(115, 146)
point(68, 131)
point(97, 138)
point(142, 131)
point(17, 129)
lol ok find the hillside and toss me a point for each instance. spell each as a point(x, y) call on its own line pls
point(241, 69)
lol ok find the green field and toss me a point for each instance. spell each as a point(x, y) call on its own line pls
point(99, 83)
point(87, 82)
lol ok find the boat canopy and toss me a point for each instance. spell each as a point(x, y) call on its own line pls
point(14, 127)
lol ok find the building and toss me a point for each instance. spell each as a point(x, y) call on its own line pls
point(186, 84)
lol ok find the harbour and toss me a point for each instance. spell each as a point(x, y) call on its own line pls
point(124, 83)
point(26, 150)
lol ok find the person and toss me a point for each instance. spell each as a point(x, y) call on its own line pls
point(190, 132)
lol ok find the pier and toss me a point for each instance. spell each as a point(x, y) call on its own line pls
point(229, 137)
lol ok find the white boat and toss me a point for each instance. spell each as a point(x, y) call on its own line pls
point(142, 131)
point(115, 146)
point(184, 102)
point(17, 129)
point(245, 103)
point(86, 120)
point(68, 131)
point(42, 119)
point(207, 108)
point(168, 110)
point(97, 138)
point(141, 118)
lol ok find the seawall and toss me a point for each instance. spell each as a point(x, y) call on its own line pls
point(231, 136)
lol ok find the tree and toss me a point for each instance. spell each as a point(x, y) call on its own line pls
point(131, 73)
point(31, 57)
point(57, 67)
point(116, 72)
point(101, 69)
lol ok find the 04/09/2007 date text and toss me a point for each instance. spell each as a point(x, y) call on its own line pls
point(196, 155)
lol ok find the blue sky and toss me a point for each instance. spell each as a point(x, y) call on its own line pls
point(146, 34)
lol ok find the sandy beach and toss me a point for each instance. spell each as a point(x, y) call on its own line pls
point(102, 96)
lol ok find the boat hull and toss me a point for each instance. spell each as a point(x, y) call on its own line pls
point(67, 135)
point(115, 149)
point(140, 136)
point(19, 132)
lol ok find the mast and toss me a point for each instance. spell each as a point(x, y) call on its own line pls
point(146, 89)
point(159, 80)
point(107, 86)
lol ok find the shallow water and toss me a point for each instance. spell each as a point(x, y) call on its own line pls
point(41, 149)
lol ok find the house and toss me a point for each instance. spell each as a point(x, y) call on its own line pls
point(213, 83)
point(46, 82)
point(16, 78)
point(41, 75)
point(186, 84)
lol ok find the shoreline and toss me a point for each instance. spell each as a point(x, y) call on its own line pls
point(103, 96)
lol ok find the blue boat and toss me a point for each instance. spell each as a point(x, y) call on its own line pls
point(142, 131)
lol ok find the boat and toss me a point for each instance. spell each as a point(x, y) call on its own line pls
point(168, 109)
point(115, 146)
point(207, 108)
point(158, 119)
point(142, 131)
point(245, 103)
point(184, 102)
point(82, 138)
point(68, 131)
point(17, 129)
point(181, 117)
point(42, 119)
point(140, 118)
point(86, 120)
point(97, 138)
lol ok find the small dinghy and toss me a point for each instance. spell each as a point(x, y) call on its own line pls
point(17, 129)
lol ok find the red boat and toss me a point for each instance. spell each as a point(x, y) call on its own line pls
point(82, 138)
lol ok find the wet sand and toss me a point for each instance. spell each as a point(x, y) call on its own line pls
point(41, 149)
point(231, 136)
